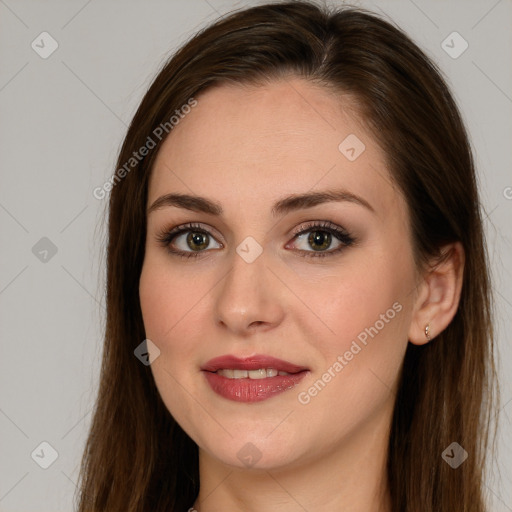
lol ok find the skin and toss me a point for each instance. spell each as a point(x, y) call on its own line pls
point(246, 147)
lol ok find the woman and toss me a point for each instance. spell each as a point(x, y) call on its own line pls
point(298, 301)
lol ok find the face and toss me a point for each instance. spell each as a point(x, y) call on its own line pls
point(323, 284)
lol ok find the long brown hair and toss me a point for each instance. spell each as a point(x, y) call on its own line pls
point(137, 458)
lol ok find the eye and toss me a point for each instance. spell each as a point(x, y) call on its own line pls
point(316, 238)
point(187, 240)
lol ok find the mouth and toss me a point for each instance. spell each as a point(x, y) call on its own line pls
point(260, 373)
point(251, 379)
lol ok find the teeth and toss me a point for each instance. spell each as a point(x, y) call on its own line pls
point(262, 373)
point(257, 374)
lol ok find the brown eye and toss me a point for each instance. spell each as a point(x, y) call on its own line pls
point(197, 241)
point(187, 240)
point(319, 240)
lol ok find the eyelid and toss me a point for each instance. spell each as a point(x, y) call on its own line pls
point(318, 225)
point(189, 226)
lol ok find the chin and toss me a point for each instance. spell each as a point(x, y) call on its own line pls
point(253, 452)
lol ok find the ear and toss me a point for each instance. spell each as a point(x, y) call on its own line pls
point(439, 293)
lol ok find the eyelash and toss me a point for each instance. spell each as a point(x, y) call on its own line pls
point(166, 236)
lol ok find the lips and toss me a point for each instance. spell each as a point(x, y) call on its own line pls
point(255, 362)
point(247, 389)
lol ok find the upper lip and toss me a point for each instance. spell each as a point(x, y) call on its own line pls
point(254, 362)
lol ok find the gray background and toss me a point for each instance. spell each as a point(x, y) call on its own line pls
point(62, 121)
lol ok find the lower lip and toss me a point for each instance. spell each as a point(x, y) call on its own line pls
point(252, 390)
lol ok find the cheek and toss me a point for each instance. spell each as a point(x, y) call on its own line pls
point(156, 298)
point(359, 363)
point(176, 310)
point(168, 307)
point(356, 299)
point(167, 298)
point(365, 312)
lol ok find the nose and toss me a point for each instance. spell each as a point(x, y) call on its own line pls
point(250, 299)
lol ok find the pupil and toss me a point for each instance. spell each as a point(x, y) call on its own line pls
point(320, 239)
point(198, 240)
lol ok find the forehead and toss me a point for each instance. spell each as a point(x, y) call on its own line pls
point(268, 141)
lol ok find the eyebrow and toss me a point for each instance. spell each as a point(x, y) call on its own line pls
point(287, 204)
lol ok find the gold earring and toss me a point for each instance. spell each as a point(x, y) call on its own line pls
point(427, 332)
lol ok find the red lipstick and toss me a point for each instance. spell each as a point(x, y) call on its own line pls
point(251, 379)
